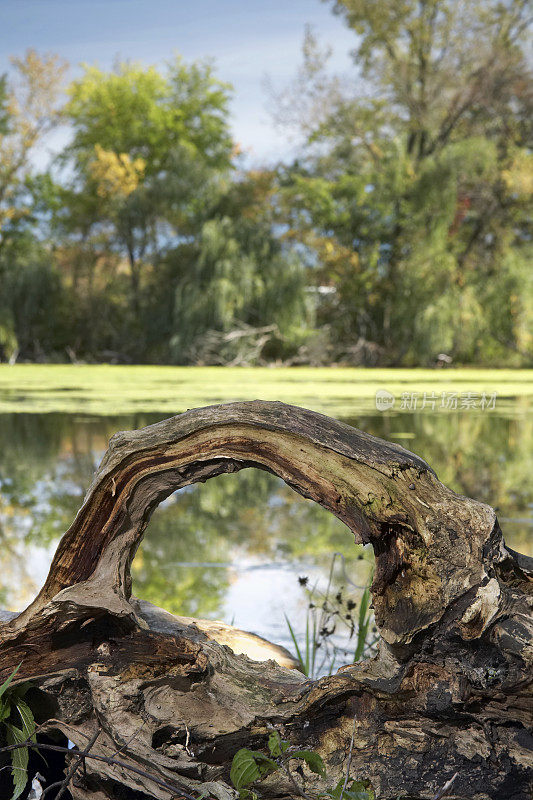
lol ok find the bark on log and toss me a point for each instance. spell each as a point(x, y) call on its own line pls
point(450, 690)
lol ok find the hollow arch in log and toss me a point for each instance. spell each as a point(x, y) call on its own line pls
point(453, 606)
point(384, 494)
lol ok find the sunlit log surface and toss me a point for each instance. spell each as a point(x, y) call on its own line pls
point(450, 690)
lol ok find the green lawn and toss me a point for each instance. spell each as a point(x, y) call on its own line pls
point(104, 389)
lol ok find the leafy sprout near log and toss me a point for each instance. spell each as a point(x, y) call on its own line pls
point(17, 726)
point(251, 767)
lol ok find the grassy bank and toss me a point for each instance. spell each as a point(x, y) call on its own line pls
point(103, 389)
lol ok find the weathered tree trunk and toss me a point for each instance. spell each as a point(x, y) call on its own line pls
point(450, 690)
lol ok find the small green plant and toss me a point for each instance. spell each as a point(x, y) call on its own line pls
point(351, 790)
point(328, 613)
point(251, 766)
point(18, 730)
point(307, 658)
point(364, 619)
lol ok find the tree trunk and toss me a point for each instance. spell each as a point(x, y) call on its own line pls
point(449, 692)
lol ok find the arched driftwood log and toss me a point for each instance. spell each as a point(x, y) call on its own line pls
point(449, 692)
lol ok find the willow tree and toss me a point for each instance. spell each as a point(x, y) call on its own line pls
point(239, 277)
point(415, 179)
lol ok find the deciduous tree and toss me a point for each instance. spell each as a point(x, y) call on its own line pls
point(29, 111)
point(144, 146)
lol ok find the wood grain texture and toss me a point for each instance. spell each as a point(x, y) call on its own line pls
point(450, 689)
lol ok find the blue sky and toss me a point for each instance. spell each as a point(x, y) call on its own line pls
point(247, 39)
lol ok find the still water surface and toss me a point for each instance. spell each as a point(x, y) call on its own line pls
point(233, 548)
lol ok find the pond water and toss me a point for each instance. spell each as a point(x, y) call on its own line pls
point(235, 547)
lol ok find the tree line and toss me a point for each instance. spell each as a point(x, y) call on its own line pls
point(400, 235)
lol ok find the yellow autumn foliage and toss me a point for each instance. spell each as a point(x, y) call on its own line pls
point(115, 175)
point(336, 257)
point(31, 108)
point(518, 178)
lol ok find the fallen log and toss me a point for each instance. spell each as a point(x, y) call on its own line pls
point(449, 691)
